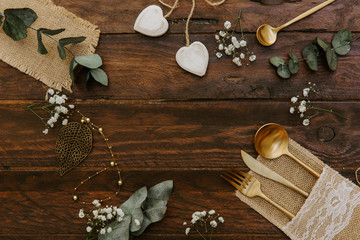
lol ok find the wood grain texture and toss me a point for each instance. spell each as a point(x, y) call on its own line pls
point(133, 73)
point(164, 123)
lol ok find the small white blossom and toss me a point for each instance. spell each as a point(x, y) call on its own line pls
point(237, 61)
point(108, 210)
point(81, 213)
point(137, 222)
point(237, 45)
point(294, 99)
point(56, 116)
point(306, 122)
point(302, 108)
point(222, 33)
point(218, 54)
point(184, 223)
point(109, 229)
point(217, 37)
point(194, 219)
point(46, 131)
point(303, 103)
point(88, 229)
point(64, 97)
point(50, 91)
point(221, 47)
point(221, 219)
point(203, 213)
point(120, 212)
point(109, 216)
point(213, 223)
point(234, 40)
point(228, 51)
point(96, 203)
point(243, 43)
point(65, 121)
point(64, 110)
point(196, 214)
point(59, 100)
point(212, 212)
point(242, 56)
point(102, 218)
point(95, 213)
point(102, 231)
point(71, 106)
point(252, 58)
point(119, 219)
point(292, 110)
point(231, 47)
point(187, 231)
point(306, 92)
point(52, 100)
point(301, 115)
point(227, 24)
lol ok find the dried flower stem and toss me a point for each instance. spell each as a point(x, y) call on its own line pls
point(328, 111)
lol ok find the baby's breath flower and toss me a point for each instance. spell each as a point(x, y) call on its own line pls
point(120, 212)
point(95, 213)
point(81, 213)
point(46, 131)
point(306, 92)
point(294, 99)
point(71, 106)
point(50, 91)
point(221, 47)
point(213, 223)
point(96, 203)
point(252, 58)
point(242, 56)
point(119, 219)
point(292, 110)
point(222, 33)
point(212, 212)
point(52, 100)
point(109, 216)
point(242, 43)
point(303, 103)
point(187, 231)
point(218, 54)
point(234, 40)
point(302, 108)
point(184, 223)
point(102, 231)
point(109, 229)
point(227, 25)
point(237, 45)
point(306, 122)
point(228, 51)
point(88, 229)
point(65, 121)
point(217, 37)
point(203, 213)
point(221, 219)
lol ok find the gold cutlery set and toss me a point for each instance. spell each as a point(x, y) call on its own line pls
point(271, 141)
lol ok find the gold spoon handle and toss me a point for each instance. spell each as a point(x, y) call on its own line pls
point(309, 169)
point(305, 14)
point(285, 211)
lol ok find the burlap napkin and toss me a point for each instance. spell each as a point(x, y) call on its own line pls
point(332, 210)
point(49, 68)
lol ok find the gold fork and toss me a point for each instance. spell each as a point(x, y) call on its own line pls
point(250, 187)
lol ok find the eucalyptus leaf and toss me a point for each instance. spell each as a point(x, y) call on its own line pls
point(90, 61)
point(332, 59)
point(51, 31)
point(66, 41)
point(155, 209)
point(100, 76)
point(311, 60)
point(120, 230)
point(324, 46)
point(293, 67)
point(61, 51)
point(73, 65)
point(41, 46)
point(14, 27)
point(293, 57)
point(283, 71)
point(161, 190)
point(341, 42)
point(27, 15)
point(310, 48)
point(276, 61)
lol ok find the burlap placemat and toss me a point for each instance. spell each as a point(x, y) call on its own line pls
point(330, 212)
point(49, 68)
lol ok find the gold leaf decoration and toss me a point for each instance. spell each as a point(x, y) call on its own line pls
point(73, 145)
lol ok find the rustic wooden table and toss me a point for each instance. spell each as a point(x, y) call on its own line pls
point(165, 123)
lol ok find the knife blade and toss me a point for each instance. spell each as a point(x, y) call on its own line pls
point(264, 171)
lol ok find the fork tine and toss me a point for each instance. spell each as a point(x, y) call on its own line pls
point(233, 177)
point(238, 187)
point(244, 174)
point(235, 174)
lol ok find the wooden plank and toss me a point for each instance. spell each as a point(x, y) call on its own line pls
point(157, 75)
point(117, 16)
point(179, 134)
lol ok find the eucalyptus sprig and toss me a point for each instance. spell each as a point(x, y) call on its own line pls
point(340, 46)
point(15, 23)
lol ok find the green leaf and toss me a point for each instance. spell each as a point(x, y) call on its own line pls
point(322, 44)
point(276, 61)
point(341, 42)
point(73, 65)
point(66, 41)
point(14, 27)
point(100, 76)
point(310, 48)
point(161, 190)
point(145, 223)
point(50, 31)
point(293, 67)
point(27, 15)
point(332, 59)
point(120, 230)
point(90, 61)
point(41, 46)
point(311, 60)
point(283, 71)
point(293, 57)
point(61, 51)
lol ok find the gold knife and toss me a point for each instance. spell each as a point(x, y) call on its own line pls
point(261, 169)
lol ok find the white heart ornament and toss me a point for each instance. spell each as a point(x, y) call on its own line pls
point(194, 58)
point(151, 22)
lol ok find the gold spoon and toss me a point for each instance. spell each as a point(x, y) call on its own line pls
point(267, 35)
point(272, 141)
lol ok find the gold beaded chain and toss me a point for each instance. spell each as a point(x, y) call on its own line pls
point(113, 163)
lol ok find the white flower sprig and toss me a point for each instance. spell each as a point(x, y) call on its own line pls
point(55, 105)
point(98, 219)
point(303, 105)
point(203, 221)
point(229, 45)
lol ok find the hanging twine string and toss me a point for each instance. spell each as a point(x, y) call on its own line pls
point(175, 5)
